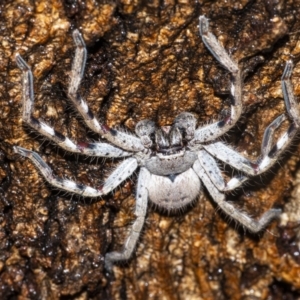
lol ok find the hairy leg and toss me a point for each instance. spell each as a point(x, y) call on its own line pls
point(270, 152)
point(212, 169)
point(210, 166)
point(125, 141)
point(123, 171)
point(140, 212)
point(213, 131)
point(91, 149)
point(239, 216)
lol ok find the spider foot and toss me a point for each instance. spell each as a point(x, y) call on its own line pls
point(287, 73)
point(78, 40)
point(111, 258)
point(21, 63)
point(265, 219)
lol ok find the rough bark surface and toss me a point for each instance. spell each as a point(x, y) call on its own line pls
point(146, 61)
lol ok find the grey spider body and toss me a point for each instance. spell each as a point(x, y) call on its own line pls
point(173, 183)
point(173, 161)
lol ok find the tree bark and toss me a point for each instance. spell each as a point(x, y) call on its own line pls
point(146, 61)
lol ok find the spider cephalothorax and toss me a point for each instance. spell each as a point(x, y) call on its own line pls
point(173, 161)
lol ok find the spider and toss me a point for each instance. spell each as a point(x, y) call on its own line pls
point(174, 161)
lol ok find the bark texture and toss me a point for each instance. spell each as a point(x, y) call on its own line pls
point(146, 61)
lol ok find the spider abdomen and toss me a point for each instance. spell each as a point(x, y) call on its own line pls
point(174, 191)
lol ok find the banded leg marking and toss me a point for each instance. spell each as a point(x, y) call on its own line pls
point(91, 149)
point(213, 171)
point(118, 138)
point(270, 152)
point(241, 217)
point(210, 166)
point(122, 172)
point(213, 131)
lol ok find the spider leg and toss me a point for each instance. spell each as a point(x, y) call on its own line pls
point(213, 131)
point(270, 152)
point(239, 162)
point(288, 95)
point(140, 212)
point(120, 139)
point(92, 149)
point(241, 217)
point(210, 166)
point(213, 171)
point(267, 142)
point(123, 171)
